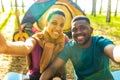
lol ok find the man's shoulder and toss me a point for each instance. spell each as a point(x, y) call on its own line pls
point(97, 37)
point(101, 40)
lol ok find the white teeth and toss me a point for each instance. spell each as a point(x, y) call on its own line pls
point(56, 32)
point(80, 37)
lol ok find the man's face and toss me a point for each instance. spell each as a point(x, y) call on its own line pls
point(81, 32)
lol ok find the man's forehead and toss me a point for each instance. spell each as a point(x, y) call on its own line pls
point(81, 22)
point(81, 18)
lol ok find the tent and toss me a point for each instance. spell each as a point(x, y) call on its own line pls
point(34, 18)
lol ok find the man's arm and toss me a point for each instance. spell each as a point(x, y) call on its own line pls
point(48, 73)
point(113, 52)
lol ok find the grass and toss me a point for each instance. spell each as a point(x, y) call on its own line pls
point(5, 21)
point(112, 28)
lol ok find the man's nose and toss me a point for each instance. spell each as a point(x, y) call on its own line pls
point(78, 31)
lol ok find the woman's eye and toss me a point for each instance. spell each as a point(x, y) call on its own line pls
point(62, 25)
point(54, 23)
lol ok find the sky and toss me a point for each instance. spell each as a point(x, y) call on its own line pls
point(84, 4)
point(87, 5)
point(27, 3)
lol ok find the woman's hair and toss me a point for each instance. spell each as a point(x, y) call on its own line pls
point(53, 12)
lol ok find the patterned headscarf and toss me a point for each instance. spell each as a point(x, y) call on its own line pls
point(50, 46)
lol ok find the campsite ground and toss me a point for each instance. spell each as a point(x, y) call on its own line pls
point(17, 64)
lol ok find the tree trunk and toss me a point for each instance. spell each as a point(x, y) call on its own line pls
point(76, 1)
point(3, 10)
point(116, 8)
point(23, 6)
point(11, 4)
point(16, 5)
point(34, 0)
point(94, 8)
point(108, 17)
point(100, 7)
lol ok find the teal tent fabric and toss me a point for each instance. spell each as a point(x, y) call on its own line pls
point(37, 10)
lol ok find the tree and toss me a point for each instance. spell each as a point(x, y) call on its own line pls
point(3, 10)
point(108, 17)
point(76, 1)
point(116, 8)
point(23, 6)
point(16, 5)
point(34, 0)
point(11, 3)
point(94, 7)
point(100, 7)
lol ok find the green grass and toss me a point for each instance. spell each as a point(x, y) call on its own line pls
point(112, 28)
point(5, 21)
point(102, 28)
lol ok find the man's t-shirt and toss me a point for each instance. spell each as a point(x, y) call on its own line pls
point(89, 63)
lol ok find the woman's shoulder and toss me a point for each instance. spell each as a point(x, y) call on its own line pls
point(38, 35)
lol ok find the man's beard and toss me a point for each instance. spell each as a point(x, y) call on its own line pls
point(85, 42)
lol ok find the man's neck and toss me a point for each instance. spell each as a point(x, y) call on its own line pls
point(87, 44)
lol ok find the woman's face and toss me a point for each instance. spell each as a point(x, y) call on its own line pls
point(55, 25)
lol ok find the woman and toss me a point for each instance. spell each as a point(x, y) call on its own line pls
point(42, 48)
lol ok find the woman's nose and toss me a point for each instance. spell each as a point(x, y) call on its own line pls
point(58, 27)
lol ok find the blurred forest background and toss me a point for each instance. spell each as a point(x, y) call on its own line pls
point(104, 16)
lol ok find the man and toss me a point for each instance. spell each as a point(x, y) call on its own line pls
point(88, 54)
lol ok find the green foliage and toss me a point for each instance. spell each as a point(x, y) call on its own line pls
point(5, 21)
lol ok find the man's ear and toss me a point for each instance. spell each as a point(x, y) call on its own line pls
point(91, 29)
